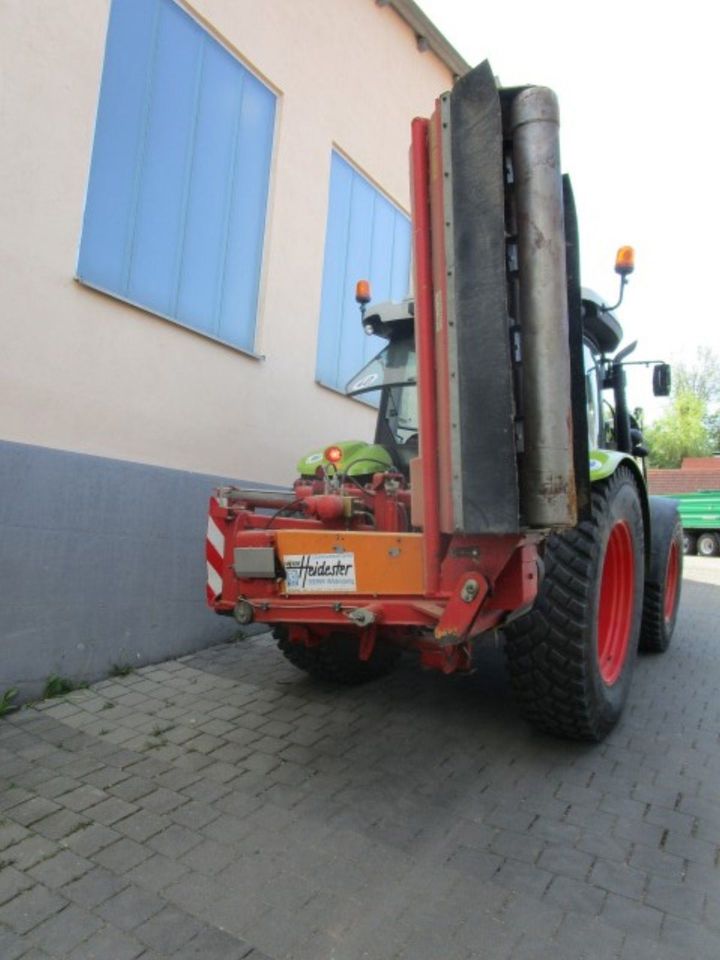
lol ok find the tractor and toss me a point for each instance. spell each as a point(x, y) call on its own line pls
point(501, 492)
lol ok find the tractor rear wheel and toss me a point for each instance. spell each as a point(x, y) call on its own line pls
point(571, 657)
point(336, 659)
point(663, 582)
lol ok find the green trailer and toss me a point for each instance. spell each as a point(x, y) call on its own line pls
point(700, 514)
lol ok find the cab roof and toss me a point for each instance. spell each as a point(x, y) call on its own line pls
point(391, 318)
point(599, 324)
point(394, 318)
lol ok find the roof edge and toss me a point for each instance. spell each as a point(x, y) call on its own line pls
point(427, 34)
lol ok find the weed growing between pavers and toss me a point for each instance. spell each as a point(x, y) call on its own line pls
point(6, 701)
point(58, 686)
point(159, 730)
point(121, 670)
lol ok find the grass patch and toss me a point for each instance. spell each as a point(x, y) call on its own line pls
point(6, 701)
point(58, 686)
point(121, 670)
point(158, 730)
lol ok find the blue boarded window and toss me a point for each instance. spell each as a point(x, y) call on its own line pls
point(177, 195)
point(367, 238)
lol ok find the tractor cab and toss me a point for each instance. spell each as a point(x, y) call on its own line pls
point(394, 373)
point(605, 369)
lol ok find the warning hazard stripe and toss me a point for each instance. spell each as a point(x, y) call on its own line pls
point(215, 536)
point(214, 581)
point(214, 550)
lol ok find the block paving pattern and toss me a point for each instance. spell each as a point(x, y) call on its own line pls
point(225, 806)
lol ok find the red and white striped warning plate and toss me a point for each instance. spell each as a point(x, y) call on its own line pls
point(214, 550)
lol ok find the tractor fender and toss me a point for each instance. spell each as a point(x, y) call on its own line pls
point(664, 516)
point(603, 464)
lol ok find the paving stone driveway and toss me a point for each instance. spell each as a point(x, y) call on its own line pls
point(226, 807)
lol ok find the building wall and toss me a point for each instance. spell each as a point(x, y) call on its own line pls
point(159, 412)
point(82, 371)
point(101, 565)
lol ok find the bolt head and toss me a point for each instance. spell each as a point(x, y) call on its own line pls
point(469, 591)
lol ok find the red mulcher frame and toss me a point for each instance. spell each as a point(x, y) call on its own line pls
point(470, 583)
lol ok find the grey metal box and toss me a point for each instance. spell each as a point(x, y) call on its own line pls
point(256, 562)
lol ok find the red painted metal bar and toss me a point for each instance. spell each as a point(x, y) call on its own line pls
point(319, 610)
point(443, 411)
point(425, 345)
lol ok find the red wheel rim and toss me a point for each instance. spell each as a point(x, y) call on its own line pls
point(672, 578)
point(617, 591)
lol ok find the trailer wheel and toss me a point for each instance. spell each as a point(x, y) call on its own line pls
point(707, 545)
point(571, 657)
point(336, 659)
point(663, 582)
point(689, 543)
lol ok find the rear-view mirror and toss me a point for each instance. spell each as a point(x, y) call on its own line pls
point(662, 380)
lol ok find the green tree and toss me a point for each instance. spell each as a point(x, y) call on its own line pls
point(681, 432)
point(691, 425)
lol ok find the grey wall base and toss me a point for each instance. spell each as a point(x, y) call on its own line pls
point(101, 563)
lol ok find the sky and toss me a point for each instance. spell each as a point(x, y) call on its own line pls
point(640, 139)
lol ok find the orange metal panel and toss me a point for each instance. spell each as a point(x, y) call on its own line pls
point(385, 563)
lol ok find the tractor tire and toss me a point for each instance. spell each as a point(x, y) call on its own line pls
point(572, 656)
point(663, 582)
point(336, 659)
point(708, 545)
point(689, 544)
